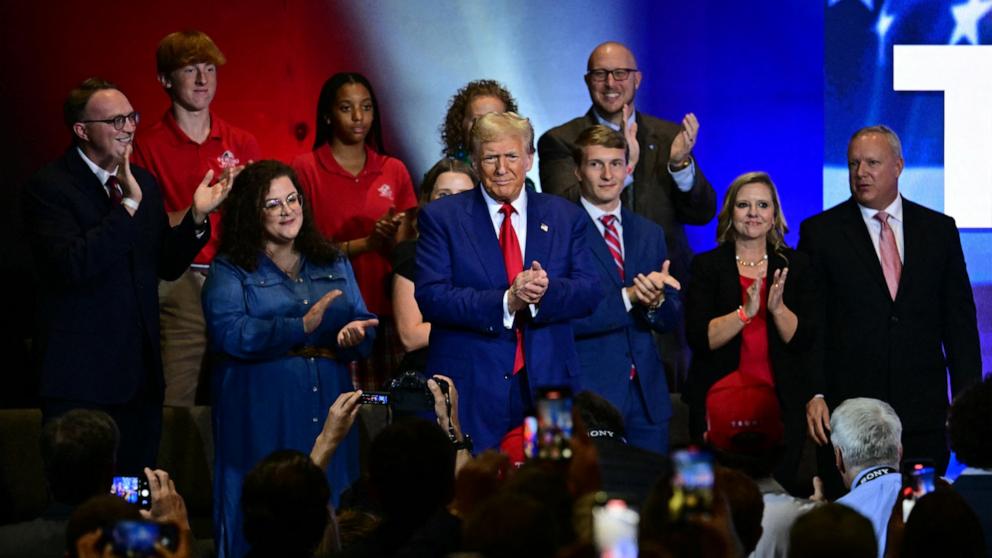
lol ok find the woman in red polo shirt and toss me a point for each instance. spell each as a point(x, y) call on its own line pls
point(358, 195)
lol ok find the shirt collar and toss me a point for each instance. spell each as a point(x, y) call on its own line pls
point(868, 470)
point(170, 122)
point(325, 156)
point(596, 213)
point(101, 174)
point(519, 204)
point(894, 210)
point(608, 123)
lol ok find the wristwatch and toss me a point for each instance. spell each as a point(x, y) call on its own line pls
point(464, 444)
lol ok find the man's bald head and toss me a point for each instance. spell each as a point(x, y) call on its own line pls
point(612, 78)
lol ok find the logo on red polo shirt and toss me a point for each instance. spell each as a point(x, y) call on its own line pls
point(386, 191)
point(227, 160)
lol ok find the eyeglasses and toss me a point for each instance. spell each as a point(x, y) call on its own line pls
point(292, 201)
point(118, 121)
point(619, 74)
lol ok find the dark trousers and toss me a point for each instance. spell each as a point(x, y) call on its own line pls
point(641, 432)
point(139, 421)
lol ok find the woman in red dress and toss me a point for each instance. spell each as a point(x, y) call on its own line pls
point(750, 313)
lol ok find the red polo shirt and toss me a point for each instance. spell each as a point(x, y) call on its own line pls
point(346, 207)
point(179, 163)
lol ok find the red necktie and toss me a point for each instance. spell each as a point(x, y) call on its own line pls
point(889, 254)
point(514, 262)
point(114, 190)
point(612, 238)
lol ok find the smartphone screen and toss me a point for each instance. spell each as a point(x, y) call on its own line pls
point(374, 398)
point(615, 529)
point(692, 485)
point(918, 478)
point(554, 423)
point(134, 490)
point(138, 538)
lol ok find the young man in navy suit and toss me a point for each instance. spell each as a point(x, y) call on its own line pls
point(617, 354)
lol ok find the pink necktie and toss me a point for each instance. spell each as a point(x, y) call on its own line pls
point(889, 253)
point(612, 239)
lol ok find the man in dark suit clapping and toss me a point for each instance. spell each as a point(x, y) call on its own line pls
point(101, 241)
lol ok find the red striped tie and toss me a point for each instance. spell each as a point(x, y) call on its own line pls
point(514, 262)
point(612, 239)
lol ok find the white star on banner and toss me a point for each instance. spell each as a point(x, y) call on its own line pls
point(966, 18)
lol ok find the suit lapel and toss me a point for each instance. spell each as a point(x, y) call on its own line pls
point(538, 231)
point(478, 228)
point(631, 247)
point(601, 252)
point(86, 182)
point(914, 243)
point(856, 233)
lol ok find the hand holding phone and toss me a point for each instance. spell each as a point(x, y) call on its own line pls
point(134, 490)
point(692, 485)
point(139, 538)
point(918, 480)
point(549, 434)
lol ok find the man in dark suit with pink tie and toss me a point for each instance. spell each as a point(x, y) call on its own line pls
point(898, 307)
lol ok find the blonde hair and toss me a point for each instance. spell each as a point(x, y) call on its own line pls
point(725, 220)
point(497, 125)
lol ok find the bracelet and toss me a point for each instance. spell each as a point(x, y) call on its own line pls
point(742, 316)
point(464, 444)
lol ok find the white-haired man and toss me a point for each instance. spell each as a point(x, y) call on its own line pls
point(866, 435)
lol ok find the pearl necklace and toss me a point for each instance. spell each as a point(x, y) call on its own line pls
point(755, 263)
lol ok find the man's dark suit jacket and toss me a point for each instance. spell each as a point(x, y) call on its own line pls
point(655, 194)
point(611, 339)
point(898, 351)
point(977, 491)
point(97, 269)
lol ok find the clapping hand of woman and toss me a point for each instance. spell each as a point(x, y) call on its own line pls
point(353, 332)
point(775, 304)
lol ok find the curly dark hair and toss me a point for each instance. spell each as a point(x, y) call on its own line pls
point(452, 134)
point(242, 233)
point(324, 131)
point(969, 425)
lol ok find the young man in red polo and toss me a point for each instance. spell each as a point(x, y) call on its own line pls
point(179, 150)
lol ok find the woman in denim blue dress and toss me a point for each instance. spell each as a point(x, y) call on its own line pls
point(285, 317)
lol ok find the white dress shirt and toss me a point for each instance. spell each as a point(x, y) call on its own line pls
point(895, 223)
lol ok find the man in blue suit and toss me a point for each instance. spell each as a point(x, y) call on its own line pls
point(501, 329)
point(617, 354)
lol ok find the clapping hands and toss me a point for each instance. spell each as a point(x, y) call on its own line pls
point(528, 287)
